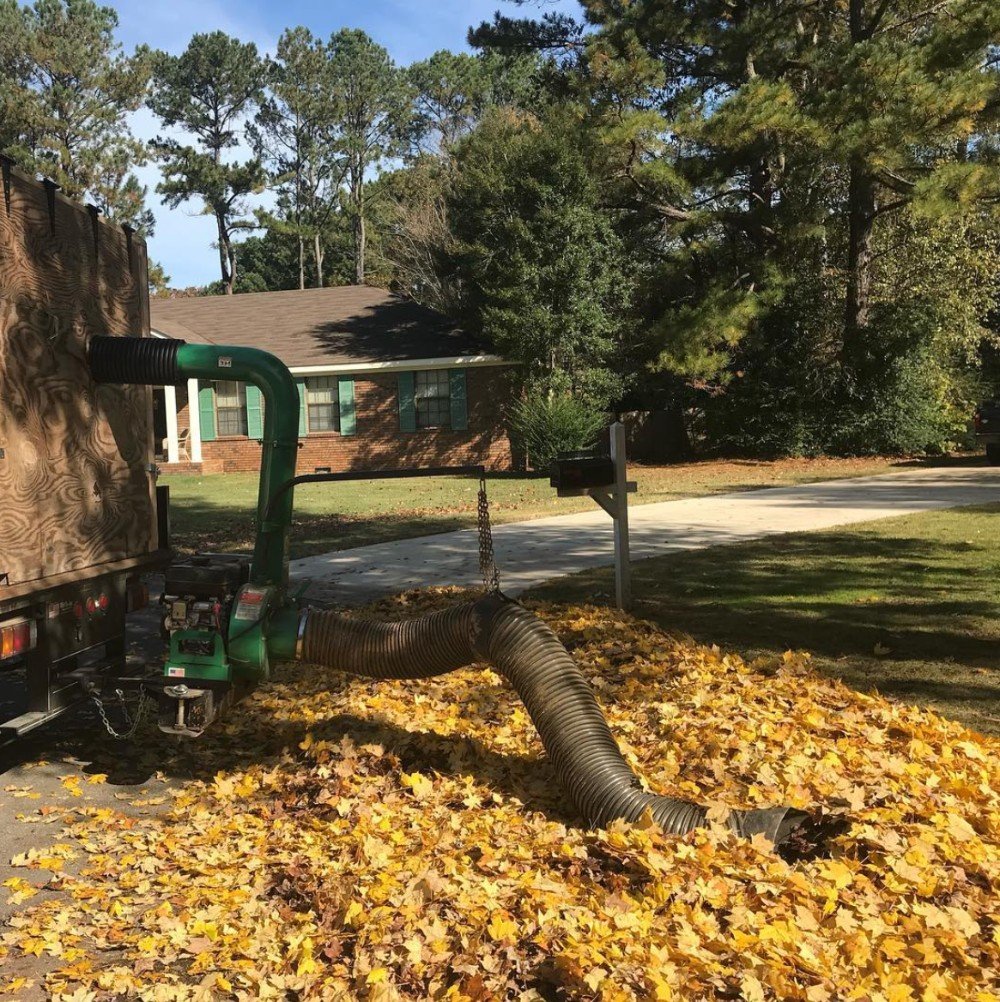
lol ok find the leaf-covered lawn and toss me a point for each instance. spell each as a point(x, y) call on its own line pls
point(216, 512)
point(360, 840)
point(906, 605)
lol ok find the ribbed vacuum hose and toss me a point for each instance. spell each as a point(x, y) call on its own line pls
point(144, 361)
point(562, 705)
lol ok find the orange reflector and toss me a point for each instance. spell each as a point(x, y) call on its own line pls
point(16, 638)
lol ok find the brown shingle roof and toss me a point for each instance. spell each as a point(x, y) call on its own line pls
point(334, 326)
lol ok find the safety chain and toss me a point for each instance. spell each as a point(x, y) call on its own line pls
point(487, 562)
point(132, 723)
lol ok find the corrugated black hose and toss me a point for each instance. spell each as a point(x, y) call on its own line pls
point(144, 361)
point(562, 705)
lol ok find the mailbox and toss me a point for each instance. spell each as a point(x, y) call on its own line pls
point(581, 470)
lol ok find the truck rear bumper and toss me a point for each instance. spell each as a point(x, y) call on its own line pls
point(80, 640)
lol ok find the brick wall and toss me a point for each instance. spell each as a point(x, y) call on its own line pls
point(379, 443)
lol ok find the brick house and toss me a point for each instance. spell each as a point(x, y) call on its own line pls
point(383, 383)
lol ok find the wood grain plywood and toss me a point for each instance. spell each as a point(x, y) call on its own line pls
point(75, 491)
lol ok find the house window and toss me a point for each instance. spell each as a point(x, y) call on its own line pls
point(432, 398)
point(230, 409)
point(322, 404)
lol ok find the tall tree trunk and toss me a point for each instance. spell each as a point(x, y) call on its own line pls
point(861, 217)
point(856, 20)
point(761, 205)
point(360, 240)
point(298, 202)
point(360, 235)
point(319, 257)
point(226, 256)
point(298, 228)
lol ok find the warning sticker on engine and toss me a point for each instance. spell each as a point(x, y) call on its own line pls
point(250, 605)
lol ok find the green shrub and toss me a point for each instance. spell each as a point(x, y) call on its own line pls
point(542, 425)
point(902, 391)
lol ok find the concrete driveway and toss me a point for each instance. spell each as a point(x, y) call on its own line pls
point(529, 553)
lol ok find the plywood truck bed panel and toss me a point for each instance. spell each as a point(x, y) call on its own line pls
point(75, 489)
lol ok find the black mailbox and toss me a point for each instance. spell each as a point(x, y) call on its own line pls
point(581, 470)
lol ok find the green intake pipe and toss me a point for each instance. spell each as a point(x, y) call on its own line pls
point(279, 446)
point(167, 362)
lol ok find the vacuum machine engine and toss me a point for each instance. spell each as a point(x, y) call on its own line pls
point(198, 597)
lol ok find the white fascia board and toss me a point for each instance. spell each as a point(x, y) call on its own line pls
point(403, 365)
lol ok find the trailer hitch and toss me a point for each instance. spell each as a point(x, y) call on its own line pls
point(186, 711)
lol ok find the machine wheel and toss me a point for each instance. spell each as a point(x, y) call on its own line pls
point(993, 454)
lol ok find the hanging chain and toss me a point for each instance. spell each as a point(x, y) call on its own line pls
point(132, 723)
point(487, 562)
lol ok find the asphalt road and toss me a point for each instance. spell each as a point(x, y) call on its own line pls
point(40, 772)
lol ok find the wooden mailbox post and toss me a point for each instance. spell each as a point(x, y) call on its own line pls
point(606, 481)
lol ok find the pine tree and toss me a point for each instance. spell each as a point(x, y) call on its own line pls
point(19, 108)
point(540, 263)
point(374, 117)
point(85, 87)
point(452, 91)
point(903, 92)
point(753, 133)
point(297, 137)
point(209, 91)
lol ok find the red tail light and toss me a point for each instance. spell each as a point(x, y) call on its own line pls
point(18, 637)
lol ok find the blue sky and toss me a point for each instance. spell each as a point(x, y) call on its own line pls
point(409, 29)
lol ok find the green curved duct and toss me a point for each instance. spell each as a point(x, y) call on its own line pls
point(169, 362)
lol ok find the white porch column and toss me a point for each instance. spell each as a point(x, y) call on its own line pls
point(173, 446)
point(194, 421)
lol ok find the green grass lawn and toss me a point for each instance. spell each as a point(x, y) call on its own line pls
point(216, 512)
point(908, 606)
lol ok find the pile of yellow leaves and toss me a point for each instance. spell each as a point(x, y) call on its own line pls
point(410, 842)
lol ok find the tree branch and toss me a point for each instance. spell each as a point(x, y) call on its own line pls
point(915, 18)
point(890, 207)
point(895, 182)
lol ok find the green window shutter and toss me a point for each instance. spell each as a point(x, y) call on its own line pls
point(459, 403)
point(206, 411)
point(407, 403)
point(348, 422)
point(301, 384)
point(255, 419)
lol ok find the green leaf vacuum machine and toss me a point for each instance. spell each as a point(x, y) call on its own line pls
point(229, 619)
